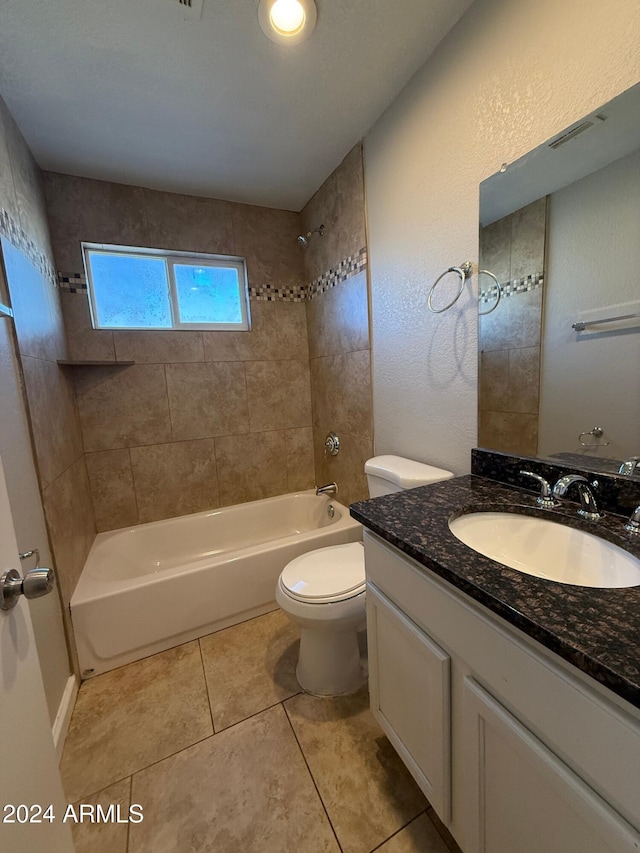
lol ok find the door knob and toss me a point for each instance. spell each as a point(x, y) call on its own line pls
point(35, 583)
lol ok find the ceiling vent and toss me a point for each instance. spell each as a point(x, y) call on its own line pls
point(575, 131)
point(191, 9)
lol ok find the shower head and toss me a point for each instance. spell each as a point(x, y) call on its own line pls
point(303, 239)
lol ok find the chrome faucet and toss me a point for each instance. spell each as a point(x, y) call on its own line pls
point(329, 489)
point(545, 498)
point(633, 525)
point(588, 507)
point(629, 465)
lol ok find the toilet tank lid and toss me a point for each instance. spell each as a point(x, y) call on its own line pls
point(405, 473)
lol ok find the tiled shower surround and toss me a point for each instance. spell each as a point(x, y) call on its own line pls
point(205, 419)
point(513, 248)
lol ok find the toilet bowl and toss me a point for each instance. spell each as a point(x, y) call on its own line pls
point(323, 592)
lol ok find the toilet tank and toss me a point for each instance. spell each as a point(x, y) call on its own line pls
point(388, 474)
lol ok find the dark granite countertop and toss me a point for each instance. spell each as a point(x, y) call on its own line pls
point(596, 630)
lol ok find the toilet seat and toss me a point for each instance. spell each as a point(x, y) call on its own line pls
point(325, 575)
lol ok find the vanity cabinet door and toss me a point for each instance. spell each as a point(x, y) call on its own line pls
point(521, 797)
point(409, 683)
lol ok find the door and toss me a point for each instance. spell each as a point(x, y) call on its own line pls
point(29, 775)
point(409, 686)
point(521, 797)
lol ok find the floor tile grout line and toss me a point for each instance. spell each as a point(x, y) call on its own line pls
point(184, 748)
point(404, 826)
point(129, 823)
point(206, 686)
point(315, 785)
point(257, 713)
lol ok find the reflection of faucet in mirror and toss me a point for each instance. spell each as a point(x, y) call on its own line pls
point(559, 229)
point(629, 465)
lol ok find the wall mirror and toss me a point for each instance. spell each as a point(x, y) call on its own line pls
point(559, 303)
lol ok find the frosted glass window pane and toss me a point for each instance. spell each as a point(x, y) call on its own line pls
point(130, 292)
point(208, 294)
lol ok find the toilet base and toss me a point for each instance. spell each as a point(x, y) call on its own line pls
point(330, 663)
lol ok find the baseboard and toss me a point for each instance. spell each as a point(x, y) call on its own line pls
point(63, 717)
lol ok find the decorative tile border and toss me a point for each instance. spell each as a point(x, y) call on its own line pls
point(72, 282)
point(272, 293)
point(350, 266)
point(75, 282)
point(516, 285)
point(19, 238)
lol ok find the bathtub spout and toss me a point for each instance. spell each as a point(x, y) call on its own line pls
point(329, 489)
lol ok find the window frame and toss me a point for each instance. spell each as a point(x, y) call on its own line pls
point(171, 258)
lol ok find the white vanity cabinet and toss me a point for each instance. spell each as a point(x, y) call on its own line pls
point(515, 751)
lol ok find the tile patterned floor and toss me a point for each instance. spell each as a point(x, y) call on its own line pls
point(225, 754)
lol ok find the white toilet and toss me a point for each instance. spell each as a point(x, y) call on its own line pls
point(323, 591)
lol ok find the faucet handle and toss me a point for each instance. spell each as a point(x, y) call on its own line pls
point(633, 525)
point(545, 498)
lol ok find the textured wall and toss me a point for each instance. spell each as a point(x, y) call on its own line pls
point(37, 404)
point(202, 419)
point(507, 77)
point(338, 326)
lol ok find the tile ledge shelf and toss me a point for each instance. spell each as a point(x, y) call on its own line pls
point(111, 363)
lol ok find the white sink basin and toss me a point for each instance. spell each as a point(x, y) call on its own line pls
point(547, 549)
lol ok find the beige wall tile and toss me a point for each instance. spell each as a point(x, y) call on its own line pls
point(358, 393)
point(8, 198)
point(250, 667)
point(366, 789)
point(69, 513)
point(300, 460)
point(524, 379)
point(251, 467)
point(84, 342)
point(495, 251)
point(189, 223)
point(339, 205)
point(121, 407)
point(27, 179)
point(258, 344)
point(338, 320)
point(267, 238)
point(515, 323)
point(508, 432)
point(279, 394)
point(228, 794)
point(110, 837)
point(347, 468)
point(111, 483)
point(130, 717)
point(328, 392)
point(54, 419)
point(493, 388)
point(291, 329)
point(528, 238)
point(158, 347)
point(94, 211)
point(207, 399)
point(174, 479)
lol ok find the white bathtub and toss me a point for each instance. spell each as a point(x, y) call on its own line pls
point(147, 588)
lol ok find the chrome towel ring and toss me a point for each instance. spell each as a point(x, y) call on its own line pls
point(498, 290)
point(463, 271)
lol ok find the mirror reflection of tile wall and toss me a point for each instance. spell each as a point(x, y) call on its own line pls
point(513, 249)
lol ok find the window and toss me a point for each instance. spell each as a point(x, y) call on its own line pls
point(133, 288)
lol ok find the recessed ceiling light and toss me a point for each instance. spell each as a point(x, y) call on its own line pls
point(287, 21)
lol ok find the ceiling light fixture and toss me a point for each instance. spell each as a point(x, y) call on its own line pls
point(287, 21)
